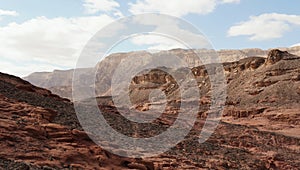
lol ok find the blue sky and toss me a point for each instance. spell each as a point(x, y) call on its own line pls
point(42, 35)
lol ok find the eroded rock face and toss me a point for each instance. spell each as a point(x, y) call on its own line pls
point(256, 87)
point(261, 95)
point(259, 127)
point(26, 86)
point(35, 135)
point(40, 131)
point(230, 147)
point(60, 82)
point(276, 55)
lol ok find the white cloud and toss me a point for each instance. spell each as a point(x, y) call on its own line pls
point(296, 45)
point(24, 69)
point(51, 43)
point(265, 27)
point(95, 6)
point(159, 38)
point(176, 7)
point(156, 42)
point(230, 1)
point(8, 13)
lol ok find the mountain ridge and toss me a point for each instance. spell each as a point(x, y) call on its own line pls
point(259, 128)
point(60, 81)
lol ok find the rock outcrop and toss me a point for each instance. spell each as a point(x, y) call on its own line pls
point(259, 128)
point(256, 88)
point(39, 130)
point(60, 82)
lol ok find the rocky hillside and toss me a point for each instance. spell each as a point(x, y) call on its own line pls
point(60, 82)
point(39, 130)
point(261, 92)
point(259, 127)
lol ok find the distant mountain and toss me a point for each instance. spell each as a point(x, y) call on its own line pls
point(60, 81)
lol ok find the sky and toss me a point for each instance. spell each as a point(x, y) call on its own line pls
point(43, 35)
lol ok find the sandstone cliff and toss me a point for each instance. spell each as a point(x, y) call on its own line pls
point(259, 127)
point(60, 82)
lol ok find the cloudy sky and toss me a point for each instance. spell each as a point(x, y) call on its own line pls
point(43, 35)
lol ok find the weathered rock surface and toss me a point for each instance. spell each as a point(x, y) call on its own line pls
point(30, 140)
point(39, 130)
point(259, 128)
point(60, 82)
point(256, 88)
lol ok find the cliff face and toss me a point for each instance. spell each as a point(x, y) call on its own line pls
point(259, 128)
point(39, 130)
point(60, 82)
point(257, 87)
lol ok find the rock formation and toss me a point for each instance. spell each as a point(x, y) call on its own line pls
point(259, 128)
point(60, 82)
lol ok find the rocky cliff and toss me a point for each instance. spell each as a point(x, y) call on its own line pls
point(266, 90)
point(60, 82)
point(39, 130)
point(259, 127)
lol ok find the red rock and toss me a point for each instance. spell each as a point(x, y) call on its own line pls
point(260, 131)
